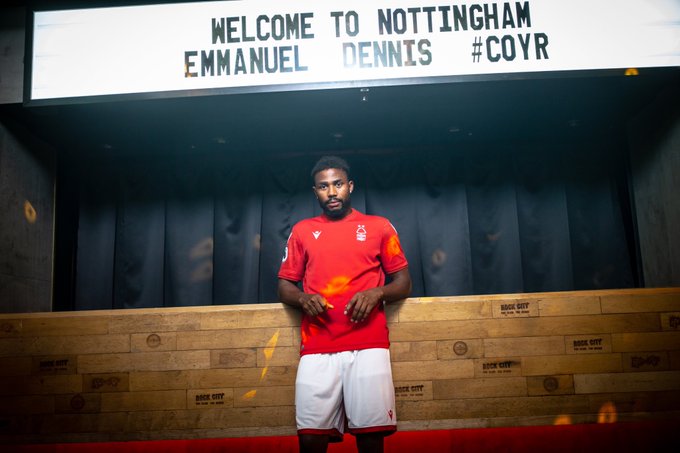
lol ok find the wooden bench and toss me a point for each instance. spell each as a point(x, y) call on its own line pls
point(229, 371)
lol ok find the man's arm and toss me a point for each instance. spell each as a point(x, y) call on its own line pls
point(362, 303)
point(312, 304)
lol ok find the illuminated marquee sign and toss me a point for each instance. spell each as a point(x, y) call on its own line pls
point(275, 45)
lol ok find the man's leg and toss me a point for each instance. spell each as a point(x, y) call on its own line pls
point(312, 443)
point(319, 412)
point(369, 394)
point(370, 442)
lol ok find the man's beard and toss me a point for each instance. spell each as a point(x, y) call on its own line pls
point(336, 214)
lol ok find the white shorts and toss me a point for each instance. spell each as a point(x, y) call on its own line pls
point(351, 389)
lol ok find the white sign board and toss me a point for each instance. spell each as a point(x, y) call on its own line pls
point(298, 44)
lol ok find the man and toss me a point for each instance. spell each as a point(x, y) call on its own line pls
point(342, 258)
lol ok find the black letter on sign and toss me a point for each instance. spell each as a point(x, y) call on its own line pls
point(541, 42)
point(218, 30)
point(188, 64)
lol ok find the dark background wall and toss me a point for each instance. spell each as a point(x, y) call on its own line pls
point(27, 180)
point(476, 218)
point(655, 163)
point(12, 34)
point(27, 175)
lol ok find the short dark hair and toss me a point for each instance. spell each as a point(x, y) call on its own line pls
point(327, 162)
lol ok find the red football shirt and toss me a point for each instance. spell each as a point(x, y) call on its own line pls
point(337, 259)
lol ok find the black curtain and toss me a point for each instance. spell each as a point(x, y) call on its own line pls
point(210, 228)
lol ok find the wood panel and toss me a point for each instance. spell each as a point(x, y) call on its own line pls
point(150, 342)
point(144, 361)
point(413, 390)
point(674, 359)
point(15, 366)
point(523, 346)
point(642, 302)
point(442, 309)
point(150, 322)
point(234, 338)
point(144, 401)
point(45, 327)
point(108, 382)
point(627, 382)
point(10, 327)
point(68, 345)
point(264, 396)
point(492, 407)
point(278, 356)
point(409, 351)
point(258, 419)
point(27, 196)
point(518, 327)
point(493, 360)
point(571, 364)
point(40, 385)
point(471, 388)
point(569, 306)
point(234, 358)
point(559, 384)
point(434, 369)
point(26, 405)
point(646, 341)
point(78, 403)
point(670, 321)
point(268, 315)
point(210, 398)
point(460, 349)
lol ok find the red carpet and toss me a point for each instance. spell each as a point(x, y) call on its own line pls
point(600, 438)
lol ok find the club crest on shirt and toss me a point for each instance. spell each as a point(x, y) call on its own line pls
point(361, 233)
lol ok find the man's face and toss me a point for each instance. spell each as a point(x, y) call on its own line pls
point(333, 191)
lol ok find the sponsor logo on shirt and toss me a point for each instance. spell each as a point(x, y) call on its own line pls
point(316, 234)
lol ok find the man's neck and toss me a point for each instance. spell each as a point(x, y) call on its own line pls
point(337, 219)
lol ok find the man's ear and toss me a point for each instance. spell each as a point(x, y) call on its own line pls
point(351, 186)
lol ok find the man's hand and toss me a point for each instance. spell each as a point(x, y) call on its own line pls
point(362, 303)
point(314, 304)
point(311, 304)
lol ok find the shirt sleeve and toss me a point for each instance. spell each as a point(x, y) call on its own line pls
point(391, 254)
point(293, 261)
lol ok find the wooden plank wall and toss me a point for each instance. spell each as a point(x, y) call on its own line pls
point(27, 174)
point(227, 371)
